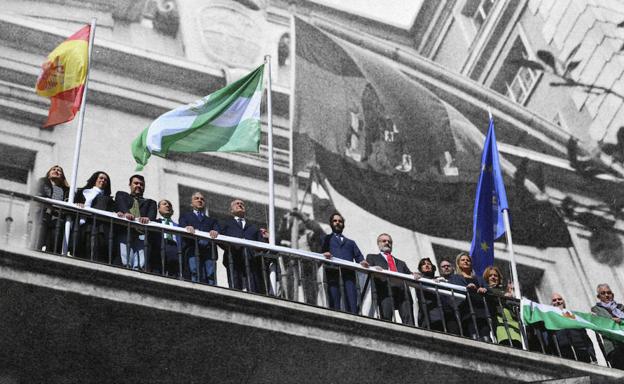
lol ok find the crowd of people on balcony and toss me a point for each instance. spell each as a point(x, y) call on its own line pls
point(485, 312)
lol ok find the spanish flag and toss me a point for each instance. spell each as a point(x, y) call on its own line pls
point(63, 76)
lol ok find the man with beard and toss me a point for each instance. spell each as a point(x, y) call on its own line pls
point(335, 245)
point(397, 296)
point(133, 206)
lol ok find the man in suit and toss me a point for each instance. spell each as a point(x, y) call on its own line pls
point(335, 245)
point(133, 206)
point(164, 247)
point(202, 265)
point(608, 307)
point(401, 298)
point(244, 266)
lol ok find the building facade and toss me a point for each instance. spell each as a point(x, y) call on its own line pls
point(558, 130)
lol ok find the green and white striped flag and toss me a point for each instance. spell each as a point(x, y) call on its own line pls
point(555, 319)
point(227, 120)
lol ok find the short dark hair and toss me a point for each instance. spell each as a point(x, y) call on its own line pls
point(161, 200)
point(137, 176)
point(331, 217)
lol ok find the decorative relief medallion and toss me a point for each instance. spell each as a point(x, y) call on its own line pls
point(231, 33)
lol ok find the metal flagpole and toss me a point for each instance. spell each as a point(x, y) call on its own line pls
point(512, 257)
point(267, 60)
point(74, 174)
point(294, 184)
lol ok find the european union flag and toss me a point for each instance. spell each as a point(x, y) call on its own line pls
point(490, 202)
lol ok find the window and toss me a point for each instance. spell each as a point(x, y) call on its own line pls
point(477, 11)
point(513, 80)
point(16, 163)
point(522, 83)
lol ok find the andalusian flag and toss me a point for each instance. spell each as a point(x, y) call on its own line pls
point(555, 319)
point(63, 77)
point(227, 120)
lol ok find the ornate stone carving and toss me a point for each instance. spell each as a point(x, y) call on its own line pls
point(231, 33)
point(164, 15)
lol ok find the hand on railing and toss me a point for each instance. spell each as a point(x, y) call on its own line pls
point(364, 263)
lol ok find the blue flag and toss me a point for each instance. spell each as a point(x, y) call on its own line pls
point(490, 202)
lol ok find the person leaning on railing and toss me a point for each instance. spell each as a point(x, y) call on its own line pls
point(391, 295)
point(95, 194)
point(438, 308)
point(473, 310)
point(608, 307)
point(502, 313)
point(53, 186)
point(336, 245)
point(570, 343)
point(133, 206)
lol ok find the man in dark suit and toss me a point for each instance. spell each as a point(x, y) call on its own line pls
point(202, 265)
point(164, 247)
point(335, 245)
point(133, 206)
point(244, 266)
point(401, 298)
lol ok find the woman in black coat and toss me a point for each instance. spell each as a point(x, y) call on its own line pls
point(95, 194)
point(52, 186)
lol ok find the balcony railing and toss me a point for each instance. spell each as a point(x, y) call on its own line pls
point(288, 274)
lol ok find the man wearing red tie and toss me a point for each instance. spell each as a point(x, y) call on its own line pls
point(401, 298)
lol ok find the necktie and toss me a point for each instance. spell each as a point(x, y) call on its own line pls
point(135, 210)
point(340, 238)
point(240, 222)
point(391, 264)
point(168, 236)
point(200, 215)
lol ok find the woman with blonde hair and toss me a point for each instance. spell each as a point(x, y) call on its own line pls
point(474, 313)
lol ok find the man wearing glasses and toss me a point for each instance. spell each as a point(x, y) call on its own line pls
point(608, 307)
point(446, 269)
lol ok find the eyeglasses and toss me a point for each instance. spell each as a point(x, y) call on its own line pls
point(605, 293)
point(557, 300)
point(445, 266)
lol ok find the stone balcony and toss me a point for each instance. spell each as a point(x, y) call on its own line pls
point(69, 320)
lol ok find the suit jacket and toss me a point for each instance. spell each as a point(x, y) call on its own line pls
point(345, 250)
point(205, 224)
point(147, 207)
point(177, 238)
point(381, 285)
point(378, 260)
point(232, 228)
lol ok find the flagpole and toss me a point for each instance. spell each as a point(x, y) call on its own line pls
point(77, 145)
point(294, 183)
point(267, 60)
point(512, 257)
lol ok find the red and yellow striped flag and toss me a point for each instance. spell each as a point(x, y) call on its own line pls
point(63, 76)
